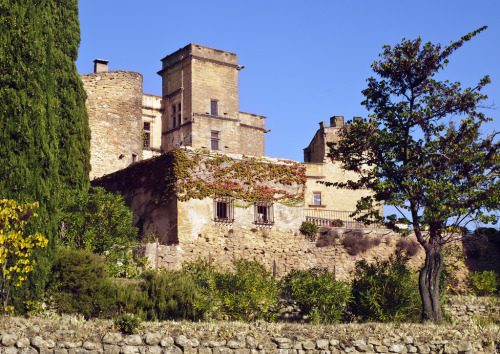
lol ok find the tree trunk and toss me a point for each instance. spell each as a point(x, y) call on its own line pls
point(429, 282)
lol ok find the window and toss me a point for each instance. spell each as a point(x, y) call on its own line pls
point(134, 158)
point(224, 209)
point(316, 198)
point(147, 134)
point(213, 107)
point(176, 115)
point(214, 140)
point(263, 213)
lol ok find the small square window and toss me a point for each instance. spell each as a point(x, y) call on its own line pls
point(316, 198)
point(224, 209)
point(263, 213)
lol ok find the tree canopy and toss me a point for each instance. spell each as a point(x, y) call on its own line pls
point(423, 151)
point(44, 132)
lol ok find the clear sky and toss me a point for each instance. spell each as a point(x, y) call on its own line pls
point(305, 61)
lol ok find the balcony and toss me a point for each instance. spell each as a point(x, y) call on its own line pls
point(326, 217)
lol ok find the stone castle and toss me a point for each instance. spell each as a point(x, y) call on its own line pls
point(193, 170)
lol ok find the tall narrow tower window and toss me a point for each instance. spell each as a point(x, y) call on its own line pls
point(213, 107)
point(214, 142)
point(146, 134)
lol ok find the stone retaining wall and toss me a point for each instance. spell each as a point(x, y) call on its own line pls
point(157, 343)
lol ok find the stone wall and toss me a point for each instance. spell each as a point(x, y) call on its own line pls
point(289, 250)
point(114, 105)
point(331, 198)
point(151, 117)
point(195, 77)
point(192, 338)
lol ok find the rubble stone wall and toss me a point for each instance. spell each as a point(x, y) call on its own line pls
point(114, 105)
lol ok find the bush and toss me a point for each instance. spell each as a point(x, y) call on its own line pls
point(79, 284)
point(407, 246)
point(128, 323)
point(328, 238)
point(100, 221)
point(482, 283)
point(248, 294)
point(337, 223)
point(385, 291)
point(168, 295)
point(308, 228)
point(317, 293)
point(356, 243)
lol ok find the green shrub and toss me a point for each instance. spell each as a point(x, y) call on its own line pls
point(128, 323)
point(308, 228)
point(482, 283)
point(100, 221)
point(79, 284)
point(317, 293)
point(385, 291)
point(248, 294)
point(168, 295)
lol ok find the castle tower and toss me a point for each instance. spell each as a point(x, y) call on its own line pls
point(114, 106)
point(201, 103)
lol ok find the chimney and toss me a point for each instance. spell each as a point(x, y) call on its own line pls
point(337, 121)
point(100, 65)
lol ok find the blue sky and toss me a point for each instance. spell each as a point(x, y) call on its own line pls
point(304, 61)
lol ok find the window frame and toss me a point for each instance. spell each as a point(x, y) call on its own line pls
point(224, 209)
point(146, 128)
point(214, 108)
point(215, 139)
point(314, 198)
point(264, 213)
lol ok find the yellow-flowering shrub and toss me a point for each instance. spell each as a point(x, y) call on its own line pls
point(16, 247)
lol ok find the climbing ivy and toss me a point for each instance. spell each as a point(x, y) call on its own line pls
point(200, 174)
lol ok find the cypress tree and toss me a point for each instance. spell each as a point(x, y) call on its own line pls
point(73, 129)
point(44, 134)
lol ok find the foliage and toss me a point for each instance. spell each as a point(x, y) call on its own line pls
point(482, 283)
point(248, 294)
point(337, 223)
point(356, 243)
point(16, 248)
point(128, 323)
point(385, 291)
point(407, 246)
point(317, 293)
point(44, 131)
point(168, 295)
point(203, 174)
point(100, 221)
point(309, 228)
point(438, 171)
point(453, 258)
point(79, 284)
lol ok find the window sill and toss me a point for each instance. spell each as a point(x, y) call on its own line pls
point(316, 206)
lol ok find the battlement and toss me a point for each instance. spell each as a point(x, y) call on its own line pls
point(200, 52)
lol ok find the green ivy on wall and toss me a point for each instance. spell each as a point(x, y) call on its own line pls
point(201, 174)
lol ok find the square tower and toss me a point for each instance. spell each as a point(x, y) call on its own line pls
point(201, 103)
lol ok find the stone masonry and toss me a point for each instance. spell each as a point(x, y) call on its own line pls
point(114, 105)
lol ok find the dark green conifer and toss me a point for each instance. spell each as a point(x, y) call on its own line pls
point(44, 134)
